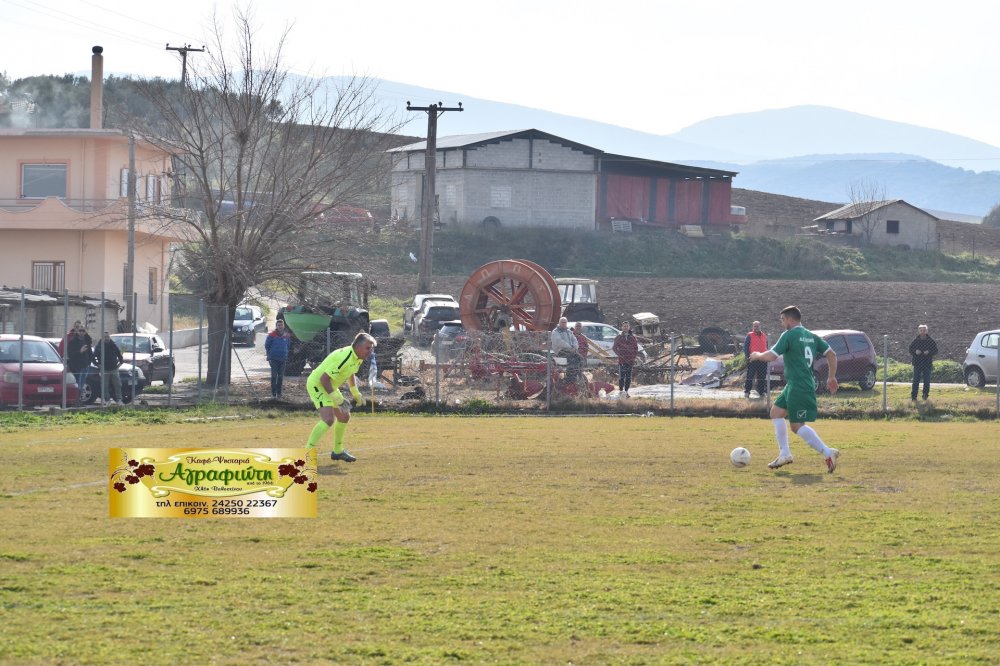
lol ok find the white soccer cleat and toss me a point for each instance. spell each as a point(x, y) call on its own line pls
point(831, 460)
point(780, 461)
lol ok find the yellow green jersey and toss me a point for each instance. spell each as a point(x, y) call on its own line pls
point(340, 365)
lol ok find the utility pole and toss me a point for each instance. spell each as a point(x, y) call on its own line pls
point(424, 267)
point(184, 50)
point(130, 266)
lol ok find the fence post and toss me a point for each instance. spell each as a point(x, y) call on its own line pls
point(672, 368)
point(437, 370)
point(998, 381)
point(102, 368)
point(20, 360)
point(65, 346)
point(134, 298)
point(170, 345)
point(227, 353)
point(885, 375)
point(201, 330)
point(548, 375)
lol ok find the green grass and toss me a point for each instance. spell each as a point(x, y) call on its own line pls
point(518, 541)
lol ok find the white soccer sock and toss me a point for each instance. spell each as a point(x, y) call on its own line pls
point(781, 431)
point(813, 440)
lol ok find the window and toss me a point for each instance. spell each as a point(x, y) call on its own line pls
point(837, 344)
point(990, 340)
point(858, 344)
point(892, 226)
point(43, 180)
point(154, 291)
point(48, 275)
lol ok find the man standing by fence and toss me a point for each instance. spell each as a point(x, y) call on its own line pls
point(277, 345)
point(109, 358)
point(755, 341)
point(923, 349)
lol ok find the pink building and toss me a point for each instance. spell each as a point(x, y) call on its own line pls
point(64, 213)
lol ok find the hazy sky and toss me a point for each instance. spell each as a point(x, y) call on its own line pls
point(648, 65)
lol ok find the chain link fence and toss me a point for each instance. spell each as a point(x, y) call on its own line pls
point(182, 351)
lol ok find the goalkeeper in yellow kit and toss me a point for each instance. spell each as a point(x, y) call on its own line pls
point(324, 385)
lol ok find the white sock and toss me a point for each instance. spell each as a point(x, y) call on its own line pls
point(781, 431)
point(813, 440)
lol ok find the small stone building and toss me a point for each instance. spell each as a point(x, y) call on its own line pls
point(892, 222)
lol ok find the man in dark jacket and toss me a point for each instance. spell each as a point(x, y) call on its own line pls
point(79, 354)
point(109, 357)
point(277, 345)
point(755, 341)
point(923, 349)
point(626, 347)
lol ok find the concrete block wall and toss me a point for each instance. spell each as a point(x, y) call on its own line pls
point(537, 199)
point(549, 155)
point(505, 155)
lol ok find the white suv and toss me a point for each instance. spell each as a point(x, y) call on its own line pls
point(980, 364)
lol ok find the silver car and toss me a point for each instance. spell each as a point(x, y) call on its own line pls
point(980, 365)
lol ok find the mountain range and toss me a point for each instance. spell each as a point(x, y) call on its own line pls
point(812, 152)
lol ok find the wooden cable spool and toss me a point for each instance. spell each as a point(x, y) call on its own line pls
point(510, 292)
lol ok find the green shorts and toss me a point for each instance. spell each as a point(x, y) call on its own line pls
point(800, 404)
point(321, 398)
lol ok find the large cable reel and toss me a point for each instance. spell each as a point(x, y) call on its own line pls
point(510, 292)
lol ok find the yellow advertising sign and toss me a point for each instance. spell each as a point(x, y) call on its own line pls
point(212, 483)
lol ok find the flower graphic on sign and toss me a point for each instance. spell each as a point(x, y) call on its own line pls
point(299, 474)
point(129, 473)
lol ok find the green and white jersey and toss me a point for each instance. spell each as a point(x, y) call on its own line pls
point(800, 347)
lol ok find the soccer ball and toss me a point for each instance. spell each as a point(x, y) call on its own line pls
point(740, 457)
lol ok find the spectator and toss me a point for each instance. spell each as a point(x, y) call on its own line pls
point(277, 344)
point(755, 341)
point(80, 354)
point(564, 344)
point(923, 349)
point(626, 347)
point(69, 334)
point(109, 357)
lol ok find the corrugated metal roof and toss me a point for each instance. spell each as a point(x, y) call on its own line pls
point(474, 140)
point(853, 211)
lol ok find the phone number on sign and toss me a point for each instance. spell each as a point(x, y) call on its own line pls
point(230, 507)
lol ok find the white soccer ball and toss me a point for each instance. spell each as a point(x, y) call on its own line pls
point(740, 457)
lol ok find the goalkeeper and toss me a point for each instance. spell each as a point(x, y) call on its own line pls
point(324, 385)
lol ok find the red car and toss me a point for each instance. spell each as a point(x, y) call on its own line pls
point(43, 372)
point(855, 360)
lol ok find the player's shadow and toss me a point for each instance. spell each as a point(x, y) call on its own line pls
point(805, 479)
point(331, 470)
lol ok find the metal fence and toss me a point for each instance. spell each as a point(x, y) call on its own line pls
point(173, 357)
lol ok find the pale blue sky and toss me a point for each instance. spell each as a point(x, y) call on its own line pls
point(651, 66)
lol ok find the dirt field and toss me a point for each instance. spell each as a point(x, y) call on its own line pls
point(954, 312)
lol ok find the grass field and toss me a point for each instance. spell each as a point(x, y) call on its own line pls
point(518, 540)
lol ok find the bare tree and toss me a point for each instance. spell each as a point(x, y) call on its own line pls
point(867, 199)
point(259, 154)
point(992, 218)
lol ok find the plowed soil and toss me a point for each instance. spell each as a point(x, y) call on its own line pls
point(954, 312)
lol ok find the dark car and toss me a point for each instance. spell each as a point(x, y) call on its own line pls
point(449, 342)
point(132, 383)
point(43, 372)
point(432, 319)
point(855, 360)
point(151, 355)
point(248, 321)
point(379, 328)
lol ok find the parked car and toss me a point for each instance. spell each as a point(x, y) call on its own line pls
point(855, 360)
point(151, 355)
point(449, 341)
point(430, 317)
point(348, 215)
point(379, 328)
point(43, 372)
point(248, 321)
point(980, 364)
point(418, 301)
point(604, 336)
